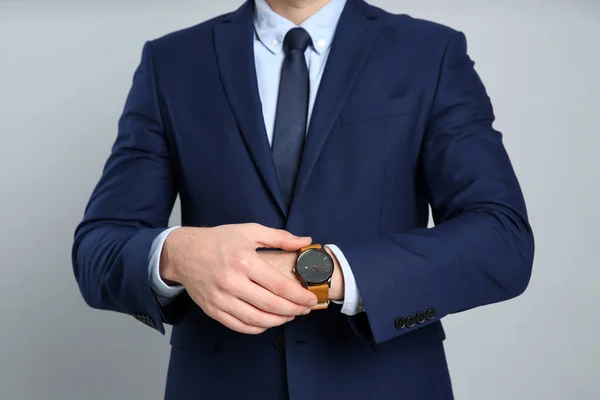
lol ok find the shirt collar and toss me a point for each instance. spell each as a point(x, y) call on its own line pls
point(271, 27)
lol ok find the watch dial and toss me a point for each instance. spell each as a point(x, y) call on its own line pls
point(315, 266)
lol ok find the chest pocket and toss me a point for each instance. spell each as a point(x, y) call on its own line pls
point(373, 111)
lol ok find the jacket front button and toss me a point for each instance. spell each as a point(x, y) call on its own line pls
point(280, 343)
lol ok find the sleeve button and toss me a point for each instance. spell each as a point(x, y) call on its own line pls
point(400, 323)
point(144, 319)
point(431, 314)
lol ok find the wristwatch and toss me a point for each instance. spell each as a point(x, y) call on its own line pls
point(314, 268)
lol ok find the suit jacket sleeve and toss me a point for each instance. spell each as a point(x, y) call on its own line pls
point(481, 249)
point(128, 209)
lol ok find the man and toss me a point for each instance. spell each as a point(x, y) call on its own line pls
point(296, 123)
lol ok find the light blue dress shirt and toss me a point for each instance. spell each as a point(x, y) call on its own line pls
point(270, 30)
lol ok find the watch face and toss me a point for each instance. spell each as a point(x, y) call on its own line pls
point(315, 266)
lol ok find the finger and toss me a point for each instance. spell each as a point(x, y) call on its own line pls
point(269, 302)
point(276, 282)
point(235, 324)
point(263, 236)
point(252, 316)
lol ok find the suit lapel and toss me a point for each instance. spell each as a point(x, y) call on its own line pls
point(234, 44)
point(356, 31)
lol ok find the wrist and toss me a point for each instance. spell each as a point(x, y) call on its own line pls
point(336, 290)
point(167, 267)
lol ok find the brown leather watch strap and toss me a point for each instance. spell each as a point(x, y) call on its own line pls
point(312, 246)
point(322, 293)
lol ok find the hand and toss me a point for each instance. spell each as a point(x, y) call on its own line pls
point(283, 261)
point(225, 276)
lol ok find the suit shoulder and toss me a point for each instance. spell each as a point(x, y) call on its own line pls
point(405, 24)
point(194, 35)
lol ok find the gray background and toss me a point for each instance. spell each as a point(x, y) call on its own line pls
point(65, 69)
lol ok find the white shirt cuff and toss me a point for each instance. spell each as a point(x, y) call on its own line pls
point(164, 292)
point(352, 303)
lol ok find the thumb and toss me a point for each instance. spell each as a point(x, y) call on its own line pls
point(263, 236)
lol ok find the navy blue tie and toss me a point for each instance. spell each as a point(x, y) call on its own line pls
point(292, 111)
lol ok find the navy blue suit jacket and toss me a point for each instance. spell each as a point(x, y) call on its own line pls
point(401, 121)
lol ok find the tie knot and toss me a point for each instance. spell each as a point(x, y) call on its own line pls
point(297, 39)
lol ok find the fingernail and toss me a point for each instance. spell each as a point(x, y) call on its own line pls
point(290, 318)
point(306, 311)
point(313, 302)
